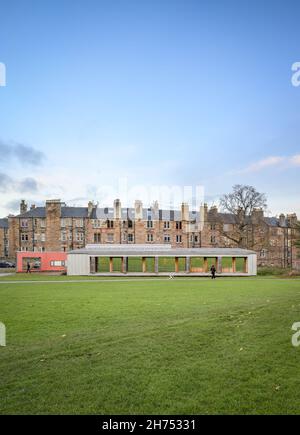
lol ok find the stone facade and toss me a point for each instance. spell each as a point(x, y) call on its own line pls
point(57, 227)
point(3, 238)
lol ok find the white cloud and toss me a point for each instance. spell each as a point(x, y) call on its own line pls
point(281, 162)
point(295, 160)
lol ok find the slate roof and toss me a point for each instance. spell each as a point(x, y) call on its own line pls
point(37, 212)
point(274, 222)
point(4, 223)
point(128, 213)
point(77, 212)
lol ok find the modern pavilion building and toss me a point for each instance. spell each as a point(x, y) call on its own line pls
point(160, 260)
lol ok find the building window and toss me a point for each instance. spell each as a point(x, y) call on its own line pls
point(130, 224)
point(110, 238)
point(166, 225)
point(79, 223)
point(97, 238)
point(149, 237)
point(149, 224)
point(178, 225)
point(24, 237)
point(96, 223)
point(167, 238)
point(130, 237)
point(43, 223)
point(62, 223)
point(178, 238)
point(213, 227)
point(110, 224)
point(213, 239)
point(24, 223)
point(63, 237)
point(57, 263)
point(43, 237)
point(79, 237)
point(263, 253)
point(35, 222)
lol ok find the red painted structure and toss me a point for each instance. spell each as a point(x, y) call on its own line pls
point(42, 261)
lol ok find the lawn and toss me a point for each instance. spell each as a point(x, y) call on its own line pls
point(182, 346)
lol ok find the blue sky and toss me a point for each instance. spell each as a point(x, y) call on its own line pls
point(158, 92)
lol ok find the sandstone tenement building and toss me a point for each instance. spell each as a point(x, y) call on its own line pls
point(3, 238)
point(58, 227)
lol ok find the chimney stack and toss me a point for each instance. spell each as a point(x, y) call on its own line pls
point(138, 210)
point(257, 215)
point(292, 219)
point(90, 208)
point(203, 216)
point(185, 213)
point(53, 207)
point(214, 211)
point(282, 220)
point(155, 210)
point(23, 206)
point(117, 209)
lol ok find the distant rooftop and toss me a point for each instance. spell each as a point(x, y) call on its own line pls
point(128, 213)
point(4, 223)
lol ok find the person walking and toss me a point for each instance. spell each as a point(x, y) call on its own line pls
point(28, 268)
point(213, 272)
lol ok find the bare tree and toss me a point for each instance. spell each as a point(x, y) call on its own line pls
point(241, 203)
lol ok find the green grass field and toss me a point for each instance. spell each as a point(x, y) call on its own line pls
point(182, 346)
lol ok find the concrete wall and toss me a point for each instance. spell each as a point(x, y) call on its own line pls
point(252, 264)
point(44, 257)
point(78, 264)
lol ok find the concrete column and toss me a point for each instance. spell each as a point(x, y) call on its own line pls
point(219, 268)
point(92, 265)
point(123, 264)
point(156, 265)
point(246, 265)
point(96, 264)
point(111, 265)
point(205, 265)
point(144, 268)
point(176, 265)
point(187, 264)
point(233, 264)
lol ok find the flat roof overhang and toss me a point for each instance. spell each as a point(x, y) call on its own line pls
point(171, 252)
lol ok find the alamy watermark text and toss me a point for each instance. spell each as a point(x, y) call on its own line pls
point(296, 76)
